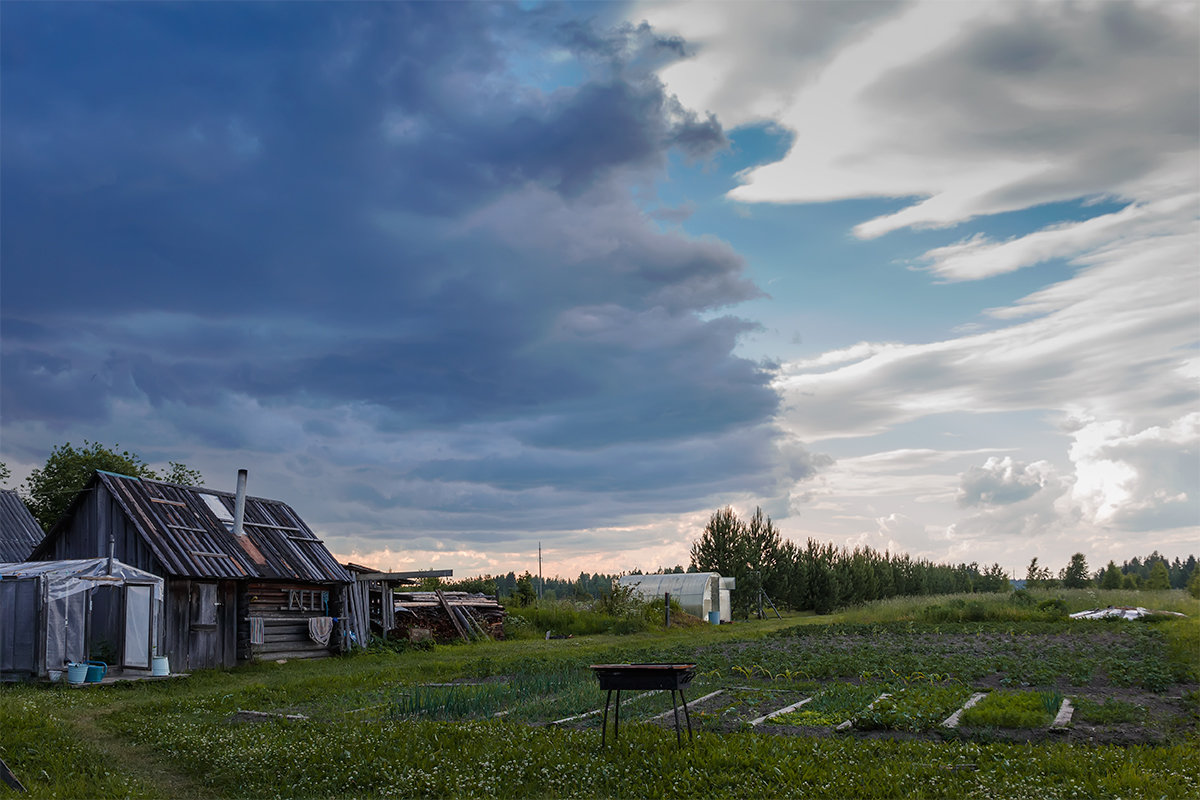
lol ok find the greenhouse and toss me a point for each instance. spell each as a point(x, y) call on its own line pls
point(701, 594)
point(56, 612)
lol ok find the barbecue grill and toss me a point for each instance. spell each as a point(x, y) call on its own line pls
point(663, 677)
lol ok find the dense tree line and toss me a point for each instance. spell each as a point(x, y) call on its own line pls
point(1154, 572)
point(1149, 572)
point(522, 590)
point(819, 576)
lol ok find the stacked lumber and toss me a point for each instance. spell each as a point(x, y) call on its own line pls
point(448, 615)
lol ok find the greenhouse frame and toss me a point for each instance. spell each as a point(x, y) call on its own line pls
point(56, 612)
point(698, 593)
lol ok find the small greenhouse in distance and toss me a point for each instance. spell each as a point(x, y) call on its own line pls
point(698, 593)
point(53, 612)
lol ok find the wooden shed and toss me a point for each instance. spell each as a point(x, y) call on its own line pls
point(245, 576)
point(19, 531)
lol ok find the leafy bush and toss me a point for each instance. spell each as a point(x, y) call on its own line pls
point(1053, 607)
point(1022, 597)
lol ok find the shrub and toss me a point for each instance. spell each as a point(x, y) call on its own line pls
point(1053, 607)
point(1022, 597)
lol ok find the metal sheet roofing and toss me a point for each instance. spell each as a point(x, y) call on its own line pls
point(19, 531)
point(182, 527)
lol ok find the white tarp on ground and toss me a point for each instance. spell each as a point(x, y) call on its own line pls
point(1121, 612)
point(47, 614)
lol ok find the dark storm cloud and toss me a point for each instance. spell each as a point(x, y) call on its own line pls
point(321, 205)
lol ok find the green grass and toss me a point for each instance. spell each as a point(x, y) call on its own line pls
point(376, 729)
point(913, 708)
point(1013, 606)
point(1010, 709)
point(832, 705)
point(1110, 711)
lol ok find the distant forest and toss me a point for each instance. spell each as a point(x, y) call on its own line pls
point(821, 577)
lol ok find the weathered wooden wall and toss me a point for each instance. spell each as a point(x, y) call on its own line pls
point(285, 609)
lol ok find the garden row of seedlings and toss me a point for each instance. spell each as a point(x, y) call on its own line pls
point(1061, 720)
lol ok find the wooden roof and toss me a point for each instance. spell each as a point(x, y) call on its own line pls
point(19, 531)
point(182, 528)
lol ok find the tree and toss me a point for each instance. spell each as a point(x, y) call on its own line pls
point(1036, 576)
point(1075, 574)
point(525, 595)
point(762, 546)
point(993, 579)
point(1193, 586)
point(747, 552)
point(48, 491)
point(720, 547)
point(5, 473)
point(1112, 576)
point(1159, 577)
point(182, 474)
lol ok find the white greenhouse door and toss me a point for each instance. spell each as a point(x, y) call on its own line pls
point(139, 602)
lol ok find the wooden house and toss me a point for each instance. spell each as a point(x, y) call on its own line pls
point(19, 531)
point(245, 576)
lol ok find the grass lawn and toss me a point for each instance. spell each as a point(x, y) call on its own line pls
point(373, 726)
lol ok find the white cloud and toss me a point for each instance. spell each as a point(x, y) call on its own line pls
point(1003, 481)
point(1114, 341)
point(979, 257)
point(975, 108)
point(1139, 481)
point(751, 66)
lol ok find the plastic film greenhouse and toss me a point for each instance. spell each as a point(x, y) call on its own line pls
point(701, 594)
point(55, 612)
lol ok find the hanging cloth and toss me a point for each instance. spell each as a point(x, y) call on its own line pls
point(319, 629)
point(257, 635)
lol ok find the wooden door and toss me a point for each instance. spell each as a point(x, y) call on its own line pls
point(205, 642)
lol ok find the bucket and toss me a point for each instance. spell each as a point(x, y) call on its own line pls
point(76, 673)
point(160, 667)
point(96, 670)
point(714, 617)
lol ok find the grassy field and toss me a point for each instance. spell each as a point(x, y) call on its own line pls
point(386, 723)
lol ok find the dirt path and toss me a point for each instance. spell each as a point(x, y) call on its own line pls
point(140, 763)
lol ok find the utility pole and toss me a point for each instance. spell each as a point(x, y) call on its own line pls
point(541, 582)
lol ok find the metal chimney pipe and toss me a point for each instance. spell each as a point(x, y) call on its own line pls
point(112, 545)
point(239, 504)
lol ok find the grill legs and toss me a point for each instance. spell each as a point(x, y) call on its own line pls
point(617, 717)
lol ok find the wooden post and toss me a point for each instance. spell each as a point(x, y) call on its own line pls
point(9, 778)
point(450, 613)
point(667, 608)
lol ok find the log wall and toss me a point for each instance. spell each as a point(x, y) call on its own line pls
point(285, 609)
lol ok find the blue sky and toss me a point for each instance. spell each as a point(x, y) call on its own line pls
point(454, 279)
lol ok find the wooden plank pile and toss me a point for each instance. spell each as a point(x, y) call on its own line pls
point(448, 615)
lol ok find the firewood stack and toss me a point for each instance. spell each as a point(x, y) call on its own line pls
point(448, 616)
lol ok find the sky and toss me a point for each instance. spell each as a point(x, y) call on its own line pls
point(456, 279)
